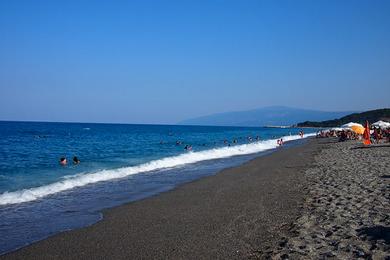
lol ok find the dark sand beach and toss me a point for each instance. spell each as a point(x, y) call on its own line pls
point(318, 200)
point(346, 213)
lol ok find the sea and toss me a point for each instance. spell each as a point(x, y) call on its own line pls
point(119, 163)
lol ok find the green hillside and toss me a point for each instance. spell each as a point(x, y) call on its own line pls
point(371, 116)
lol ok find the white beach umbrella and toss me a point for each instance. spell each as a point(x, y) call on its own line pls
point(381, 124)
point(350, 124)
point(337, 129)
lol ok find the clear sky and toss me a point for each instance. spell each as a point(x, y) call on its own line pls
point(164, 61)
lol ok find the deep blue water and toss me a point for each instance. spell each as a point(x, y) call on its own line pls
point(39, 197)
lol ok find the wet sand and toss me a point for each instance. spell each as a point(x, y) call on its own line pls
point(241, 212)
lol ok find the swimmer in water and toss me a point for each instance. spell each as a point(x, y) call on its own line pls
point(76, 160)
point(63, 161)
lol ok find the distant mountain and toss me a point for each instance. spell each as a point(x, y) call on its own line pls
point(371, 116)
point(267, 116)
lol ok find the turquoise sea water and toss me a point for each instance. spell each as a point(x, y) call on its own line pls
point(119, 163)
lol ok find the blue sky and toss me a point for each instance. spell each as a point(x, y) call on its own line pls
point(164, 61)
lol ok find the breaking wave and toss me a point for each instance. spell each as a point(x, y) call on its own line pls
point(81, 180)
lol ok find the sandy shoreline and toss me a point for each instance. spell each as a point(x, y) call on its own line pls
point(223, 216)
point(318, 200)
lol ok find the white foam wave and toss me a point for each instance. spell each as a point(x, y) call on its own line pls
point(80, 180)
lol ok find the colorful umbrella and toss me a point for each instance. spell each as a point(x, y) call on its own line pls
point(358, 129)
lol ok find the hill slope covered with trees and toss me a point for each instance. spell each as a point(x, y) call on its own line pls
point(371, 116)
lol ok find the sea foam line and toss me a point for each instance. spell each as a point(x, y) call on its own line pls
point(80, 180)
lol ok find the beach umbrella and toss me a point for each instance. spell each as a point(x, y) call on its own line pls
point(359, 129)
point(381, 124)
point(350, 124)
point(366, 134)
point(337, 129)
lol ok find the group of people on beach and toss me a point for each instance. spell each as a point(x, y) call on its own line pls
point(381, 134)
point(377, 135)
point(64, 162)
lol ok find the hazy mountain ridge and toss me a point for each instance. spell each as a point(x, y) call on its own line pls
point(266, 116)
